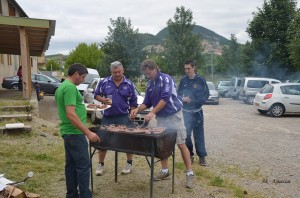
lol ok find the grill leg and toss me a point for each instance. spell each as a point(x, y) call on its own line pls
point(91, 164)
point(152, 170)
point(116, 166)
point(173, 171)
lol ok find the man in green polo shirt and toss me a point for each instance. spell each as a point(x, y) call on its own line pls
point(72, 114)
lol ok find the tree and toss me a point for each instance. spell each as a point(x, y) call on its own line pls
point(268, 31)
point(124, 44)
point(89, 55)
point(181, 43)
point(230, 62)
point(294, 41)
point(52, 65)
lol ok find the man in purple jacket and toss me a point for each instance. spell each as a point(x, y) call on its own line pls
point(119, 92)
point(162, 96)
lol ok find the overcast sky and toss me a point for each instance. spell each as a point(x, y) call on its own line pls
point(88, 20)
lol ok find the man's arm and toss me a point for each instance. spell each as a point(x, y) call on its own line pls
point(74, 119)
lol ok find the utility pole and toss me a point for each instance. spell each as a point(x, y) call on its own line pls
point(212, 65)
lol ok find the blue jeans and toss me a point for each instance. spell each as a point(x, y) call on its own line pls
point(77, 167)
point(194, 123)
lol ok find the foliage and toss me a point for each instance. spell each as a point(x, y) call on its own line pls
point(268, 31)
point(124, 44)
point(52, 65)
point(181, 43)
point(89, 55)
point(230, 62)
point(294, 41)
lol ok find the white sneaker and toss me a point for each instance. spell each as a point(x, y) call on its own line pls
point(99, 170)
point(127, 169)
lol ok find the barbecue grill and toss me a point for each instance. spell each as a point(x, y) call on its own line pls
point(159, 145)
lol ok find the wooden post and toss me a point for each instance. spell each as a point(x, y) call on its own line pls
point(26, 66)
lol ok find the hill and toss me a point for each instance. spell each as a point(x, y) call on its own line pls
point(205, 34)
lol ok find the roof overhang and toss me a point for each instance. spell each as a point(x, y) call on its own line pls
point(38, 31)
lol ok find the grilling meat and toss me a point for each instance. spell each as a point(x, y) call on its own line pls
point(123, 128)
point(95, 106)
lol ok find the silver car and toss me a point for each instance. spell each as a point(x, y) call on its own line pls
point(223, 88)
point(213, 94)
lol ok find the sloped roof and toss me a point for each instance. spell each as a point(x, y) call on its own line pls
point(39, 32)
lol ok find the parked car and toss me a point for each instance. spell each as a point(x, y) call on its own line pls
point(251, 85)
point(213, 94)
point(223, 88)
point(96, 116)
point(234, 84)
point(92, 73)
point(47, 84)
point(10, 82)
point(278, 99)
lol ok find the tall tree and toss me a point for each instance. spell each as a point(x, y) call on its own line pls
point(230, 62)
point(294, 41)
point(181, 43)
point(268, 31)
point(124, 44)
point(89, 55)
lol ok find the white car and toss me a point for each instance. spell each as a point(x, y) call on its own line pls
point(96, 116)
point(92, 73)
point(278, 99)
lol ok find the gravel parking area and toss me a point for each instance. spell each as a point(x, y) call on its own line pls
point(260, 153)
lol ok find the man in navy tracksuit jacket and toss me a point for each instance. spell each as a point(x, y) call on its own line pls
point(193, 92)
point(162, 96)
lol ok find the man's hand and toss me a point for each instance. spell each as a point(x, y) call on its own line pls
point(93, 137)
point(149, 116)
point(186, 99)
point(133, 113)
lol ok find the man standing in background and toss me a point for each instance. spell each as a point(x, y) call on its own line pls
point(193, 92)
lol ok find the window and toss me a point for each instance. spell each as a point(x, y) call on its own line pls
point(267, 89)
point(256, 83)
point(293, 90)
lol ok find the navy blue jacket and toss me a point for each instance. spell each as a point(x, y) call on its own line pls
point(196, 89)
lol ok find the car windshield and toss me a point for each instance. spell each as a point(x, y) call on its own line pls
point(89, 77)
point(267, 89)
point(55, 79)
point(211, 86)
point(225, 83)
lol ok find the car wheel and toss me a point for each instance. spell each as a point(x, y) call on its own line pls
point(262, 111)
point(15, 87)
point(94, 118)
point(277, 110)
point(250, 100)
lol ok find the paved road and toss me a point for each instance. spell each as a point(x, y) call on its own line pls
point(238, 136)
point(257, 147)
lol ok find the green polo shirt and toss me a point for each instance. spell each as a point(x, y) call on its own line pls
point(68, 95)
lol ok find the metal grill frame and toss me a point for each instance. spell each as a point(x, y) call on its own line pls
point(153, 145)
